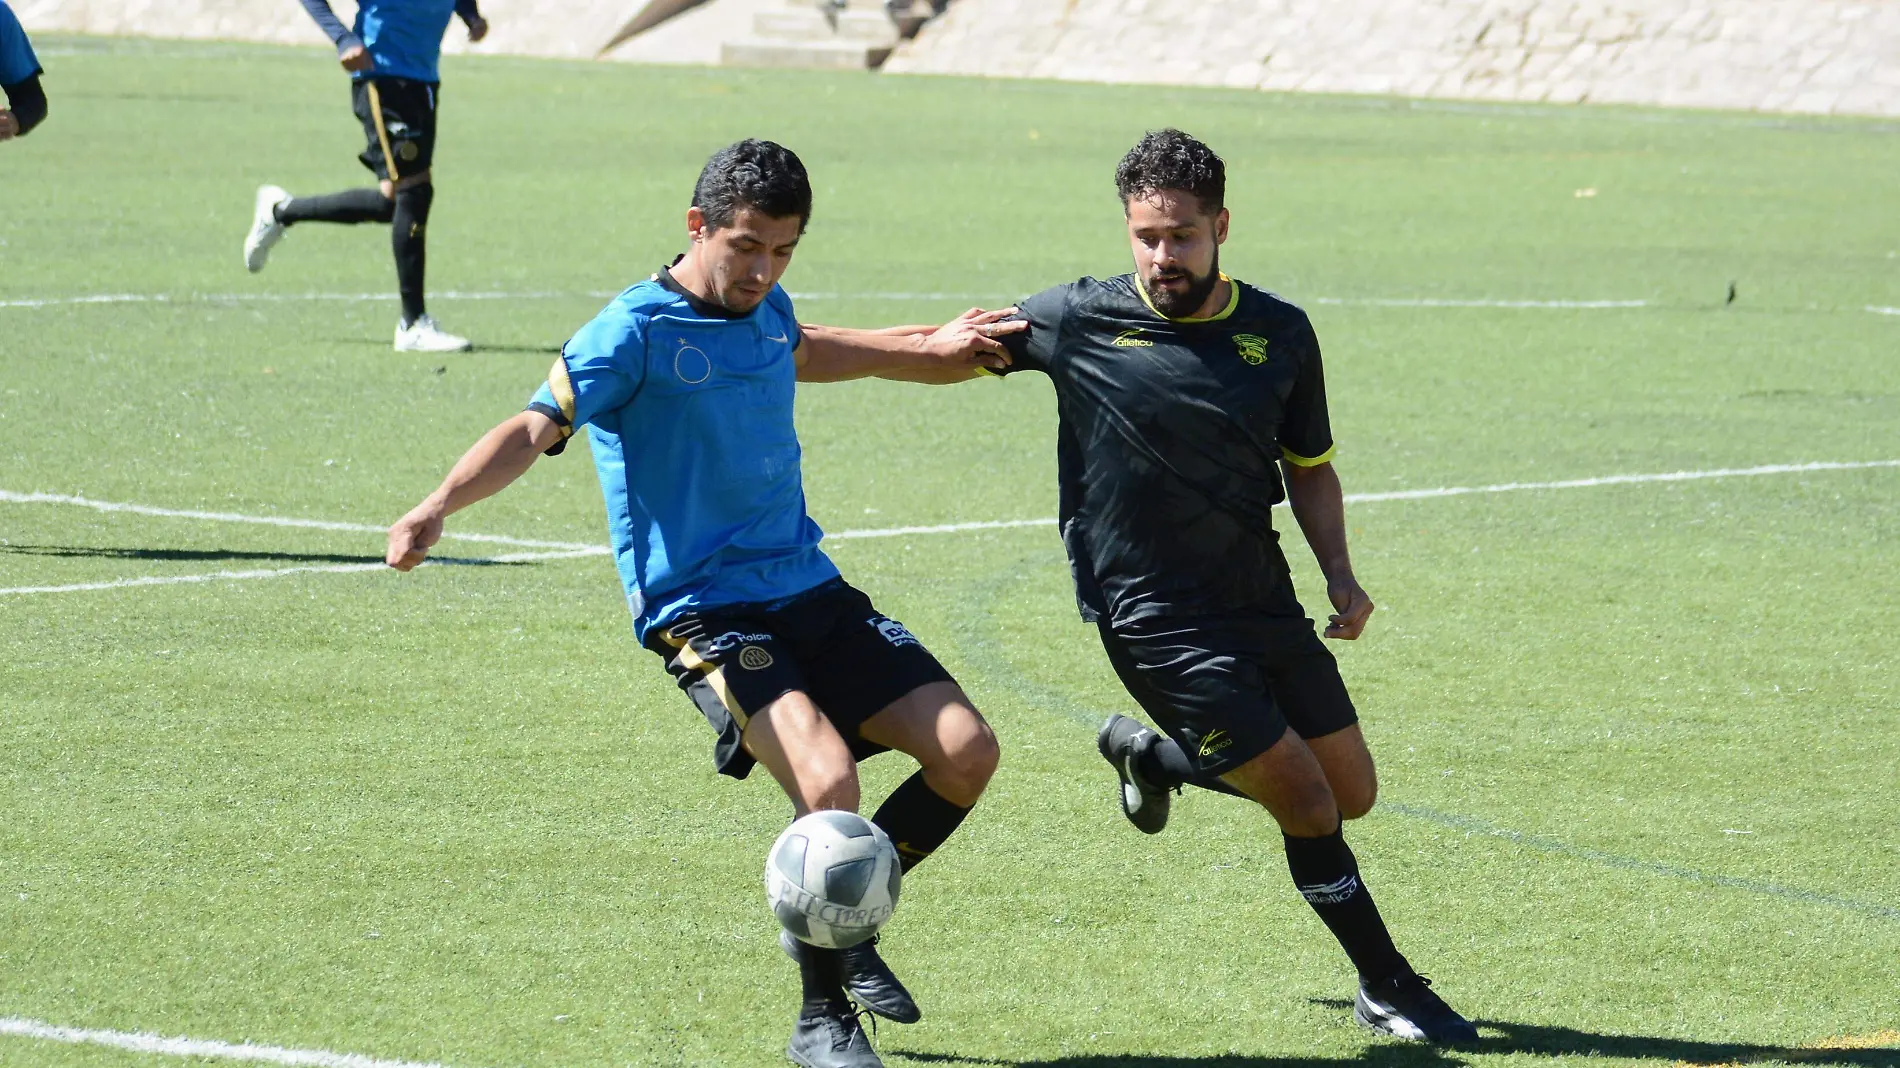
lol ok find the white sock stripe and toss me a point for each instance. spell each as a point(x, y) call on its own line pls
point(147, 1042)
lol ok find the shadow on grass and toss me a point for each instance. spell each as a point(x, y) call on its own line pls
point(1498, 1037)
point(203, 555)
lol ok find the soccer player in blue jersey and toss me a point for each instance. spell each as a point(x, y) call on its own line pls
point(391, 54)
point(685, 383)
point(19, 79)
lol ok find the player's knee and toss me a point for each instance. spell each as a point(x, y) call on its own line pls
point(968, 765)
point(1356, 799)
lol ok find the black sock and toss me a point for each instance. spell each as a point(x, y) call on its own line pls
point(406, 234)
point(350, 206)
point(918, 819)
point(1327, 875)
point(821, 975)
point(1165, 763)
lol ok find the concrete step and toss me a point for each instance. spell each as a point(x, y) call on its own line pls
point(809, 25)
point(805, 55)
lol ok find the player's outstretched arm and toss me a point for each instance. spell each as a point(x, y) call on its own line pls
point(26, 107)
point(954, 352)
point(1314, 494)
point(501, 456)
point(477, 25)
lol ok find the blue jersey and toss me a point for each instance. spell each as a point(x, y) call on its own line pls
point(404, 37)
point(689, 411)
point(17, 61)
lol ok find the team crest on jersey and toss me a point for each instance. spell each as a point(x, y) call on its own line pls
point(754, 658)
point(1252, 348)
point(1131, 339)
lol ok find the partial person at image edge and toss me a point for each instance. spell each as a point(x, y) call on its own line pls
point(19, 79)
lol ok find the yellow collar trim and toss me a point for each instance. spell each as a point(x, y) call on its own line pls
point(1233, 301)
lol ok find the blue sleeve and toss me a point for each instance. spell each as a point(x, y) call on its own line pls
point(781, 302)
point(331, 26)
point(599, 370)
point(17, 62)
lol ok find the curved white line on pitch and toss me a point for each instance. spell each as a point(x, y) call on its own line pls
point(312, 569)
point(1879, 310)
point(11, 497)
point(147, 1042)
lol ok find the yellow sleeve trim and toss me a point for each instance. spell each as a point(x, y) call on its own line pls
point(1305, 461)
point(563, 389)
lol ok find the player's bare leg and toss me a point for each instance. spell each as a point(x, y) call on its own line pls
point(1291, 782)
point(938, 726)
point(794, 741)
point(1347, 764)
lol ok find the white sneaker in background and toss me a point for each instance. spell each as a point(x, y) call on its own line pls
point(265, 229)
point(424, 335)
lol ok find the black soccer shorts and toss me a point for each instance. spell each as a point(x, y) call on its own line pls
point(398, 118)
point(830, 643)
point(1227, 688)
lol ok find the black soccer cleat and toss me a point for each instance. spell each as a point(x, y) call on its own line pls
point(1405, 1007)
point(831, 1037)
point(1121, 740)
point(866, 977)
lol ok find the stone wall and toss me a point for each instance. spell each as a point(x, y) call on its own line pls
point(1816, 56)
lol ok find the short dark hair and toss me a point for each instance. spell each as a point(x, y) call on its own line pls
point(762, 175)
point(1170, 159)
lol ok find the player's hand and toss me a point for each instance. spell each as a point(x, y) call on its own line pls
point(9, 126)
point(1352, 608)
point(357, 59)
point(969, 340)
point(477, 28)
point(411, 537)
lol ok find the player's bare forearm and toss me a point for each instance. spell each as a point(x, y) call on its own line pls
point(1319, 504)
point(954, 352)
point(488, 467)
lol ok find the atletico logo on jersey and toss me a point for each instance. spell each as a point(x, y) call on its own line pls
point(1252, 347)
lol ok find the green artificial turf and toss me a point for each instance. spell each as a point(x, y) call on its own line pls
point(1638, 742)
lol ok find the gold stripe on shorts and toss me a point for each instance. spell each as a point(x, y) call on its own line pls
point(382, 133)
point(714, 675)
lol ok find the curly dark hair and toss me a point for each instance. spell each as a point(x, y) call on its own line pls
point(762, 175)
point(1170, 159)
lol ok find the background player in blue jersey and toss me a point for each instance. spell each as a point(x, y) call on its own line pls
point(19, 79)
point(685, 382)
point(391, 54)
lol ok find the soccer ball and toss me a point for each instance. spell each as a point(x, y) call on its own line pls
point(832, 878)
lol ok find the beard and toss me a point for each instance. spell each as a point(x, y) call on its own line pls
point(1180, 304)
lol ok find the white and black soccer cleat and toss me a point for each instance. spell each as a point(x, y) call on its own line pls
point(831, 1037)
point(426, 335)
point(265, 229)
point(1405, 1007)
point(1121, 741)
point(865, 977)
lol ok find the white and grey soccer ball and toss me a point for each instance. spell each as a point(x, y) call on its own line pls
point(832, 878)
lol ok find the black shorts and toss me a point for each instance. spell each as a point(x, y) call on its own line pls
point(830, 643)
point(1228, 688)
point(399, 120)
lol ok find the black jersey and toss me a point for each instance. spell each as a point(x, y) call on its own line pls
point(1170, 432)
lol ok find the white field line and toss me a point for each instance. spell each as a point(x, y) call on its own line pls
point(1879, 310)
point(146, 1042)
point(11, 497)
point(277, 298)
point(279, 572)
point(566, 550)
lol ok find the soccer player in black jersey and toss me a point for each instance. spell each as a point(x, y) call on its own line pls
point(1190, 405)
